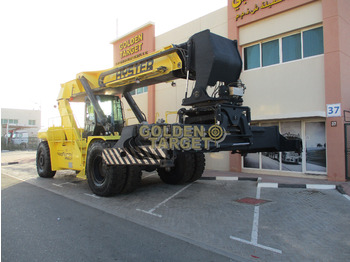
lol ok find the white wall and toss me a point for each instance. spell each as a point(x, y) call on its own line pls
point(142, 102)
point(215, 21)
point(288, 90)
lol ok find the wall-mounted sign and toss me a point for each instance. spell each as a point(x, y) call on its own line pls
point(238, 5)
point(333, 110)
point(131, 46)
point(135, 44)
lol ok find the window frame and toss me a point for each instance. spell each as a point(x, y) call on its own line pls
point(301, 47)
point(280, 46)
point(279, 53)
point(302, 33)
point(260, 59)
point(31, 122)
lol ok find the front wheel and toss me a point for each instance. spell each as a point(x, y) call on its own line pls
point(103, 180)
point(182, 172)
point(43, 161)
point(133, 179)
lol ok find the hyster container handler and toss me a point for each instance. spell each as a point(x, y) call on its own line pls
point(112, 155)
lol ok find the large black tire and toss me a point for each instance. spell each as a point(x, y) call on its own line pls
point(43, 161)
point(103, 180)
point(133, 179)
point(181, 173)
point(199, 165)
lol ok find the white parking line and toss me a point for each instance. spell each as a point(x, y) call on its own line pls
point(61, 185)
point(20, 179)
point(91, 195)
point(150, 212)
point(255, 229)
point(346, 196)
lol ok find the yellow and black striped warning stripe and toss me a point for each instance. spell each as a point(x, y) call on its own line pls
point(145, 155)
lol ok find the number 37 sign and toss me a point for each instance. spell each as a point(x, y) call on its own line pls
point(333, 110)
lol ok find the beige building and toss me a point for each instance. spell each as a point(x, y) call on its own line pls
point(20, 119)
point(295, 67)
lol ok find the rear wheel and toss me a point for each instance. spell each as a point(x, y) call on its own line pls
point(181, 173)
point(103, 180)
point(199, 165)
point(43, 161)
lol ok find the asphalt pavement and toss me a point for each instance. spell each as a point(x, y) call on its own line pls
point(234, 217)
point(38, 225)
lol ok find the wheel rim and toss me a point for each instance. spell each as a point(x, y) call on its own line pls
point(99, 175)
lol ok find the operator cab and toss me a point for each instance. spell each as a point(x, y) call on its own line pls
point(112, 109)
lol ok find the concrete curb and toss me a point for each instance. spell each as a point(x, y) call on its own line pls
point(339, 188)
point(9, 163)
point(270, 185)
point(307, 186)
point(229, 178)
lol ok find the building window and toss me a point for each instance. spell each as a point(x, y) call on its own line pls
point(9, 121)
point(313, 42)
point(270, 53)
point(291, 47)
point(31, 122)
point(291, 161)
point(140, 90)
point(297, 46)
point(315, 133)
point(270, 160)
point(252, 57)
point(313, 158)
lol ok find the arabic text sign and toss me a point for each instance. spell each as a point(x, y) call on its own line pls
point(237, 4)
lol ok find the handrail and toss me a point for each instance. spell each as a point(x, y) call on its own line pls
point(169, 113)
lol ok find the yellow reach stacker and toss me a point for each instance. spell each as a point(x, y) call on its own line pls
point(112, 155)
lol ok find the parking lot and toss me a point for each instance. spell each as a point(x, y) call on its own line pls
point(241, 220)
